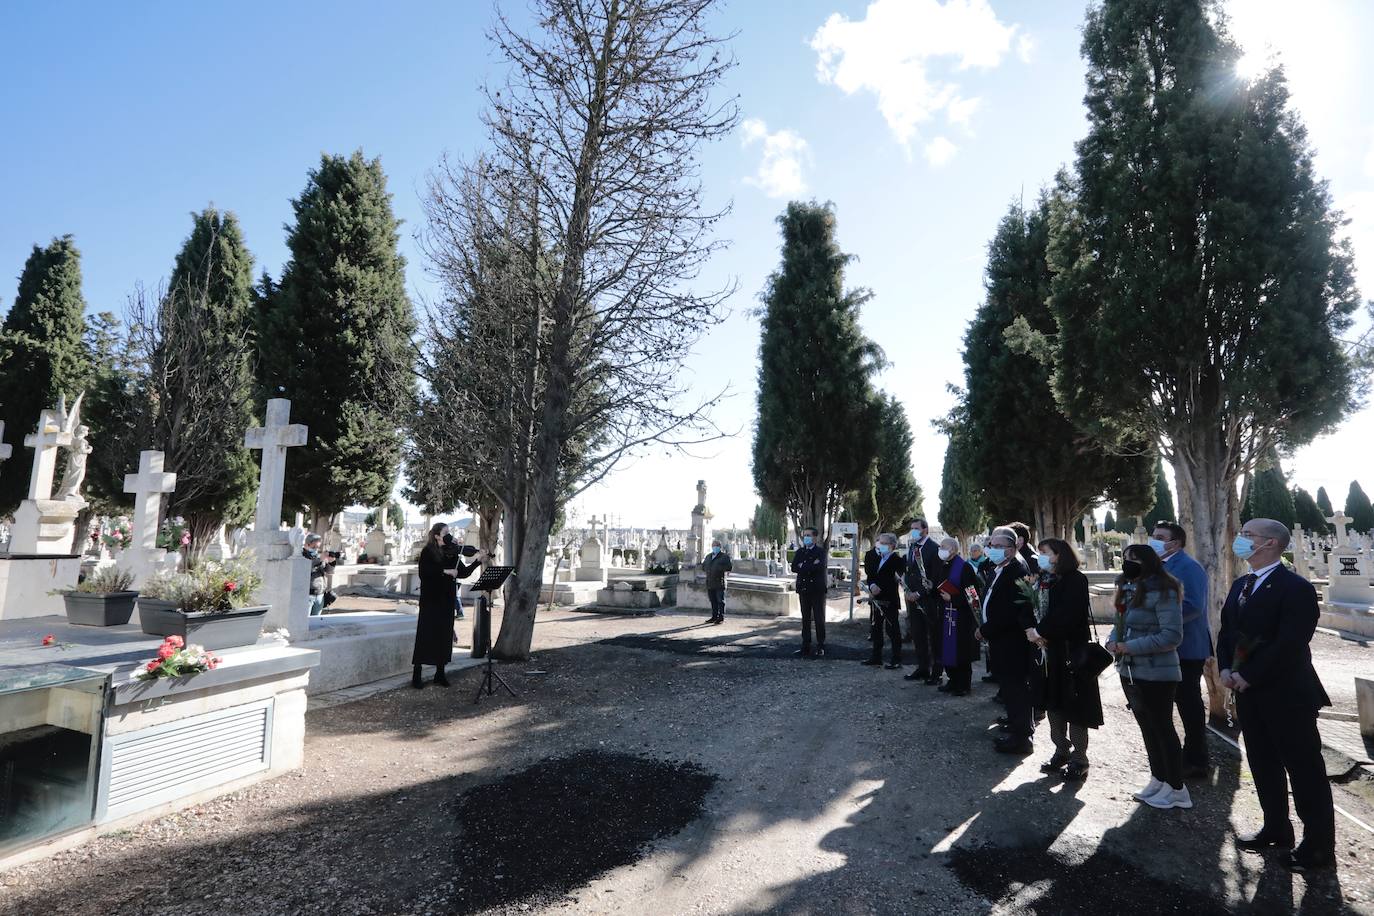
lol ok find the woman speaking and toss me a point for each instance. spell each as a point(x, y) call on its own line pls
point(440, 569)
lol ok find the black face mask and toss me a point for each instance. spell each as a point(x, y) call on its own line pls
point(1130, 569)
point(448, 540)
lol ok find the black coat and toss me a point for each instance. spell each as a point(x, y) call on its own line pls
point(438, 605)
point(935, 571)
point(1268, 641)
point(1066, 624)
point(811, 566)
point(1008, 615)
point(888, 577)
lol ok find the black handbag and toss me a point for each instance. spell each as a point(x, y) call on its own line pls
point(1090, 658)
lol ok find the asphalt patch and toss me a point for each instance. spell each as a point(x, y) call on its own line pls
point(531, 838)
point(1041, 882)
point(729, 646)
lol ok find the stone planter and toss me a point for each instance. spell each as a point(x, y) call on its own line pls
point(89, 609)
point(211, 629)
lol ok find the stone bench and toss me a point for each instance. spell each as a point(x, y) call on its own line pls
point(746, 597)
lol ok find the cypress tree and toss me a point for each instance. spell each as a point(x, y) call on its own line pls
point(203, 357)
point(814, 442)
point(1308, 514)
point(1328, 511)
point(1197, 244)
point(961, 504)
point(336, 334)
point(1269, 496)
point(1012, 414)
point(1163, 509)
point(896, 494)
point(1109, 523)
point(768, 524)
point(1358, 508)
point(42, 354)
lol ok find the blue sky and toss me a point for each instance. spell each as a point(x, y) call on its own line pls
point(921, 120)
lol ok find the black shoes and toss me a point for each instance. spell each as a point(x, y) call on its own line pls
point(1003, 721)
point(712, 621)
point(440, 678)
point(893, 666)
point(1053, 765)
point(933, 680)
point(871, 661)
point(1011, 745)
point(1304, 860)
point(915, 676)
point(803, 652)
point(415, 679)
point(1076, 772)
point(819, 653)
point(1266, 839)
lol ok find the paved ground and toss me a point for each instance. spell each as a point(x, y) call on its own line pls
point(834, 788)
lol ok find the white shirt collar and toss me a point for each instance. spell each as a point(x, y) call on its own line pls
point(1262, 573)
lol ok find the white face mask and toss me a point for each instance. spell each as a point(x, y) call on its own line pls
point(944, 554)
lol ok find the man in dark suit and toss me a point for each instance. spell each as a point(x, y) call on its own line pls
point(924, 608)
point(884, 585)
point(1006, 616)
point(1264, 655)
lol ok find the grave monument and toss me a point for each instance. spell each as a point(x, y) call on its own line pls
point(285, 574)
point(1348, 601)
point(142, 556)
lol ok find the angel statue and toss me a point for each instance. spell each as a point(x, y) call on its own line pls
point(77, 452)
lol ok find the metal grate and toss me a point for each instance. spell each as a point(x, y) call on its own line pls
point(146, 768)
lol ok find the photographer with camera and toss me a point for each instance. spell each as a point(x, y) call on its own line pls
point(321, 565)
point(440, 569)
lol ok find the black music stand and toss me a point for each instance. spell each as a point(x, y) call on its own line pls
point(492, 578)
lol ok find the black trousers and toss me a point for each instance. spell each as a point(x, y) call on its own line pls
point(960, 677)
point(1284, 748)
point(717, 596)
point(918, 623)
point(885, 617)
point(1152, 702)
point(1013, 673)
point(813, 612)
point(935, 621)
point(1193, 712)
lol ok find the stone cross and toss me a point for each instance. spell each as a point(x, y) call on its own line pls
point(45, 442)
point(147, 487)
point(274, 439)
point(5, 449)
point(1340, 520)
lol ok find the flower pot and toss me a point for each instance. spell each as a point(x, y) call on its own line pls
point(211, 629)
point(89, 609)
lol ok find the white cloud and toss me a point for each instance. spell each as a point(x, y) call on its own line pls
point(1369, 162)
point(785, 153)
point(896, 49)
point(939, 151)
point(1025, 48)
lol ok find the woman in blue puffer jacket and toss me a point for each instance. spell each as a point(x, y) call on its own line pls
point(1149, 627)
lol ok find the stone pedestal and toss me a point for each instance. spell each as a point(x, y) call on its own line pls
point(44, 526)
point(27, 583)
point(377, 548)
point(285, 588)
point(592, 565)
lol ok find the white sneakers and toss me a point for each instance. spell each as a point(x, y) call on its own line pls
point(1151, 787)
point(1168, 797)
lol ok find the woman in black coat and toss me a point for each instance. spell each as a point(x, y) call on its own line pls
point(440, 570)
point(1069, 697)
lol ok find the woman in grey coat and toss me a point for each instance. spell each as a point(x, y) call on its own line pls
point(1149, 627)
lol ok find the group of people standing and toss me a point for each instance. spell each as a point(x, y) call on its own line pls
point(1031, 608)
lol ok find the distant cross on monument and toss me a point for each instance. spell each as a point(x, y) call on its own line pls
point(147, 487)
point(274, 439)
point(5, 449)
point(1340, 520)
point(45, 442)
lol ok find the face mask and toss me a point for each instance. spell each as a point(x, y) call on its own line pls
point(915, 534)
point(808, 540)
point(944, 554)
point(1046, 563)
point(996, 554)
point(1130, 568)
point(883, 550)
point(1242, 547)
point(715, 549)
point(1156, 545)
point(448, 538)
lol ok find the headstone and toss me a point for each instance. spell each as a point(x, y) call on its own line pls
point(1348, 586)
point(1300, 564)
point(219, 548)
point(142, 556)
point(663, 555)
point(43, 524)
point(285, 575)
point(700, 537)
point(591, 561)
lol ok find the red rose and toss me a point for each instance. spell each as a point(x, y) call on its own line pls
point(175, 641)
point(155, 664)
point(166, 651)
point(49, 639)
point(230, 586)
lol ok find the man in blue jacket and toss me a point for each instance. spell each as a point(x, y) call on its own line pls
point(811, 563)
point(1169, 541)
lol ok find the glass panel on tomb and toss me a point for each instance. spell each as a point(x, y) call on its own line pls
point(50, 722)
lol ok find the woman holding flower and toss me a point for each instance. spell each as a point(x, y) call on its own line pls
point(1145, 640)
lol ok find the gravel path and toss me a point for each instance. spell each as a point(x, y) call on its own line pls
point(828, 788)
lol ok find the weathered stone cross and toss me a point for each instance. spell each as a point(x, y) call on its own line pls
point(147, 486)
point(274, 439)
point(45, 442)
point(1340, 520)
